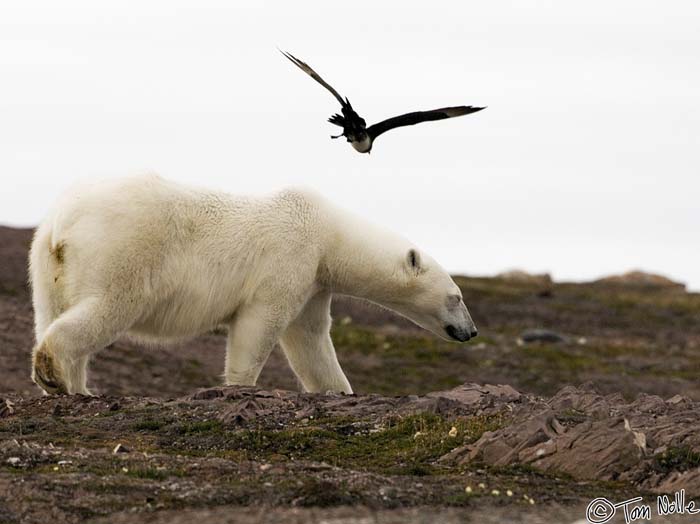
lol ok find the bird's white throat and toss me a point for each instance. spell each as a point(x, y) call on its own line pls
point(363, 145)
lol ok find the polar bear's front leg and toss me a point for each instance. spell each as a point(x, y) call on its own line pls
point(308, 346)
point(252, 337)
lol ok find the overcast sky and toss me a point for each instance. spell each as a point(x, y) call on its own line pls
point(586, 162)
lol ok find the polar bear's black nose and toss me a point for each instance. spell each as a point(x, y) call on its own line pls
point(473, 333)
point(458, 334)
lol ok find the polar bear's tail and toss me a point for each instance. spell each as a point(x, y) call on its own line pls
point(46, 269)
point(46, 259)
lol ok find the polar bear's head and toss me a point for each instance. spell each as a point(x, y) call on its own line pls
point(424, 292)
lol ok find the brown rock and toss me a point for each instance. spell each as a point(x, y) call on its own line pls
point(523, 277)
point(590, 436)
point(643, 280)
point(248, 409)
point(6, 408)
point(207, 394)
point(475, 394)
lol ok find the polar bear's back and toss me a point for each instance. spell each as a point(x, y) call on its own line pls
point(102, 226)
point(188, 256)
point(124, 206)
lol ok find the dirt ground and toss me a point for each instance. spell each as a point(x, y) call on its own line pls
point(500, 429)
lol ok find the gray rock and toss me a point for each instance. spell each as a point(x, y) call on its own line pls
point(542, 335)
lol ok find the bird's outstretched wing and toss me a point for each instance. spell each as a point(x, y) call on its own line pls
point(313, 74)
point(410, 119)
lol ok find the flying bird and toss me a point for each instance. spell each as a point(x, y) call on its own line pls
point(355, 128)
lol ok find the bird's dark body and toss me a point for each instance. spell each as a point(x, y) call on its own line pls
point(355, 128)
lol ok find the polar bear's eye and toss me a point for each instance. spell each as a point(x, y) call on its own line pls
point(413, 259)
point(453, 300)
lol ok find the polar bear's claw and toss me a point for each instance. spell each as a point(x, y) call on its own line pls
point(44, 374)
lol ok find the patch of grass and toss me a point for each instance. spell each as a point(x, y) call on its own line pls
point(419, 348)
point(149, 424)
point(406, 446)
point(122, 487)
point(204, 426)
point(681, 458)
point(561, 358)
point(572, 417)
point(546, 368)
point(21, 427)
point(323, 494)
point(357, 339)
point(518, 470)
point(479, 288)
point(112, 469)
point(459, 499)
point(149, 473)
point(426, 362)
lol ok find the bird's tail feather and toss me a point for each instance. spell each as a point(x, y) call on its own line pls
point(337, 120)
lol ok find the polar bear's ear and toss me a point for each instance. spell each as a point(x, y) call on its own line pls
point(413, 261)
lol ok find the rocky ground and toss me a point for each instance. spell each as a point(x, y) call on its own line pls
point(518, 425)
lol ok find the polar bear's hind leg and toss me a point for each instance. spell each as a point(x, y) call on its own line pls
point(60, 358)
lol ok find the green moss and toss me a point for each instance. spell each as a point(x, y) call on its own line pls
point(477, 289)
point(204, 426)
point(560, 358)
point(681, 458)
point(353, 338)
point(459, 499)
point(520, 470)
point(407, 445)
point(571, 416)
point(426, 362)
point(17, 426)
point(320, 493)
point(546, 368)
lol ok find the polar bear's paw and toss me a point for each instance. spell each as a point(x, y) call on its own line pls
point(335, 393)
point(45, 374)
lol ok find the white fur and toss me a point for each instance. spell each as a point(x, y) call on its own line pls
point(159, 261)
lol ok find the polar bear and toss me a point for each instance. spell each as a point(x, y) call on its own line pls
point(158, 261)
